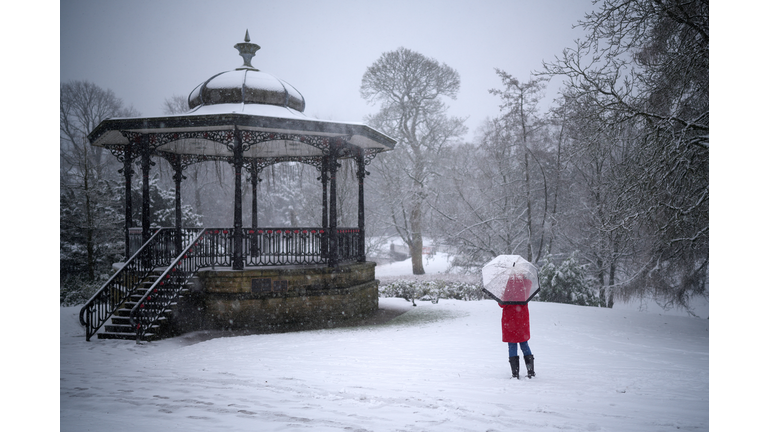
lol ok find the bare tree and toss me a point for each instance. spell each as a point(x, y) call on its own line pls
point(480, 198)
point(410, 88)
point(519, 115)
point(85, 171)
point(644, 70)
point(175, 104)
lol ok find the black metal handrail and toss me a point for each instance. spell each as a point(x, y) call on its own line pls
point(349, 246)
point(298, 246)
point(284, 246)
point(205, 250)
point(156, 252)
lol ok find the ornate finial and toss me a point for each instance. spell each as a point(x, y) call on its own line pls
point(247, 51)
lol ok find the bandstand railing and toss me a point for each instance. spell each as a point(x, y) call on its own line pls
point(281, 246)
point(350, 245)
point(295, 246)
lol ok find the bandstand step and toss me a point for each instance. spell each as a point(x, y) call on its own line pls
point(125, 336)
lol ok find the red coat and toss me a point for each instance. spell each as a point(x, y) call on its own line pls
point(515, 325)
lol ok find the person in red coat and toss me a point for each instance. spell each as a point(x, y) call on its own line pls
point(516, 326)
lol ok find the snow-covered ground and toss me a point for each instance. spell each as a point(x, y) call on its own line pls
point(436, 367)
point(439, 263)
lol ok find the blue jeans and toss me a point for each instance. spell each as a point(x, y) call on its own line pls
point(523, 346)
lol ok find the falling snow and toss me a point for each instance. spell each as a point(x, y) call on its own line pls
point(434, 367)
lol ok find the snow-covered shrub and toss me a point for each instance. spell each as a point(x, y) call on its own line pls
point(431, 290)
point(74, 290)
point(402, 288)
point(565, 283)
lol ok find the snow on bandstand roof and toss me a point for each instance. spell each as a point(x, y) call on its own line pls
point(251, 101)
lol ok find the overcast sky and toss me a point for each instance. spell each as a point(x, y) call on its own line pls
point(147, 51)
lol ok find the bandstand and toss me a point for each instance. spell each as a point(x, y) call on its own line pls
point(179, 279)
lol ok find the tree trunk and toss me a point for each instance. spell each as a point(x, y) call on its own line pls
point(528, 215)
point(417, 242)
point(89, 246)
point(527, 173)
point(557, 189)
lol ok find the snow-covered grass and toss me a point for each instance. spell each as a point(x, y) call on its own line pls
point(439, 263)
point(436, 367)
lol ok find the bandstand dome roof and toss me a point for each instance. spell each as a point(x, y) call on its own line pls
point(246, 85)
point(250, 101)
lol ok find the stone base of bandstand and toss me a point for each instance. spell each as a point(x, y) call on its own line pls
point(285, 298)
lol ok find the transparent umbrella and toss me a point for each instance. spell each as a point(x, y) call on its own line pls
point(510, 279)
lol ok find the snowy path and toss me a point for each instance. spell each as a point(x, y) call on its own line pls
point(435, 368)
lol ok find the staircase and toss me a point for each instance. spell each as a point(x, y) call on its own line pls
point(121, 327)
point(126, 290)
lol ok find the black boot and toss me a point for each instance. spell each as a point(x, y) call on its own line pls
point(515, 363)
point(529, 365)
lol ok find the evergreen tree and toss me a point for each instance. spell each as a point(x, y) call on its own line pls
point(566, 283)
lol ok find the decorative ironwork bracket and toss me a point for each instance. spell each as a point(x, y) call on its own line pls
point(320, 142)
point(369, 155)
point(152, 141)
